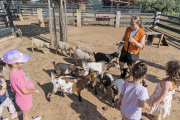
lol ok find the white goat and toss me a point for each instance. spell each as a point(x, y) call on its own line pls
point(39, 44)
point(81, 55)
point(101, 67)
point(116, 90)
point(64, 46)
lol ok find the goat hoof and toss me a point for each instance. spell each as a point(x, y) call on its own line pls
point(145, 85)
point(95, 93)
point(49, 99)
point(80, 100)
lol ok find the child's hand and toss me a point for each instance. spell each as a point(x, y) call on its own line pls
point(36, 90)
point(131, 40)
point(119, 103)
point(3, 84)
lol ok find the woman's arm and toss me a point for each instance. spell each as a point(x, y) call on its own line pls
point(139, 45)
point(119, 100)
point(29, 91)
point(165, 88)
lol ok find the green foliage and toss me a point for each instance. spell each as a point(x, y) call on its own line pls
point(158, 5)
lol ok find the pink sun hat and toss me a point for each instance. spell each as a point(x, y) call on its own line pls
point(13, 56)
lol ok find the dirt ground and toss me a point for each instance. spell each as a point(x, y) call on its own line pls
point(99, 39)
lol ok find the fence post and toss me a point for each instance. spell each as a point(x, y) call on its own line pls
point(78, 11)
point(118, 14)
point(73, 8)
point(140, 7)
point(156, 19)
point(111, 5)
point(31, 8)
point(40, 17)
point(19, 14)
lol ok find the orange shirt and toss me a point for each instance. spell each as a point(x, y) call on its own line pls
point(138, 36)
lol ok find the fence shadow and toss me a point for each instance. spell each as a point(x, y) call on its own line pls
point(33, 31)
point(154, 65)
point(152, 78)
point(87, 110)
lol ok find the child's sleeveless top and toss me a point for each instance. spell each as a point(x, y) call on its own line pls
point(162, 109)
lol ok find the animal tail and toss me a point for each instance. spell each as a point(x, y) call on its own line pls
point(94, 53)
point(52, 76)
point(53, 63)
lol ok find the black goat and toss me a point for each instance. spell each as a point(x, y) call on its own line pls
point(105, 57)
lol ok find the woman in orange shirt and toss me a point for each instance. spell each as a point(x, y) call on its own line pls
point(134, 38)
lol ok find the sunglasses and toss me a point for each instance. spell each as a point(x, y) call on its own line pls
point(19, 62)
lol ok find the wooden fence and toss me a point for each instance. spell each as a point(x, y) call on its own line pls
point(168, 22)
point(116, 18)
point(31, 9)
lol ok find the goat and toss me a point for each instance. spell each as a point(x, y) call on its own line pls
point(70, 85)
point(81, 55)
point(105, 57)
point(39, 44)
point(101, 67)
point(85, 49)
point(116, 89)
point(64, 46)
point(64, 69)
point(106, 81)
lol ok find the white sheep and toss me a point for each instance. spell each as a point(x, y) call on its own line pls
point(39, 44)
point(64, 46)
point(85, 49)
point(81, 55)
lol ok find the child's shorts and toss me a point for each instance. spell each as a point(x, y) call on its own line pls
point(128, 57)
point(24, 103)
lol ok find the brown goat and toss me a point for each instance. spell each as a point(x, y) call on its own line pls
point(70, 85)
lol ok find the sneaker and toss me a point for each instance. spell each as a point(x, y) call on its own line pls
point(37, 118)
point(17, 114)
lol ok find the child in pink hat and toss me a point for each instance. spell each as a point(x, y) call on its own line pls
point(20, 82)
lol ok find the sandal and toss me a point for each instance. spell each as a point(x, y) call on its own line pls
point(152, 117)
point(17, 114)
point(5, 118)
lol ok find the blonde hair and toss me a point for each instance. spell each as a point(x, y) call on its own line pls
point(138, 20)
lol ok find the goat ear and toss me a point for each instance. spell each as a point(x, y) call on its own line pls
point(52, 75)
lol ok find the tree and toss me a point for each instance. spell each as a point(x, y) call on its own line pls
point(157, 5)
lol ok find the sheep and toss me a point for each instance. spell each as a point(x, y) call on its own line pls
point(105, 57)
point(106, 81)
point(101, 67)
point(81, 55)
point(39, 44)
point(116, 89)
point(85, 49)
point(67, 84)
point(64, 46)
point(64, 69)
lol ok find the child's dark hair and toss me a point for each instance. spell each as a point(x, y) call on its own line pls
point(173, 71)
point(2, 64)
point(139, 70)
